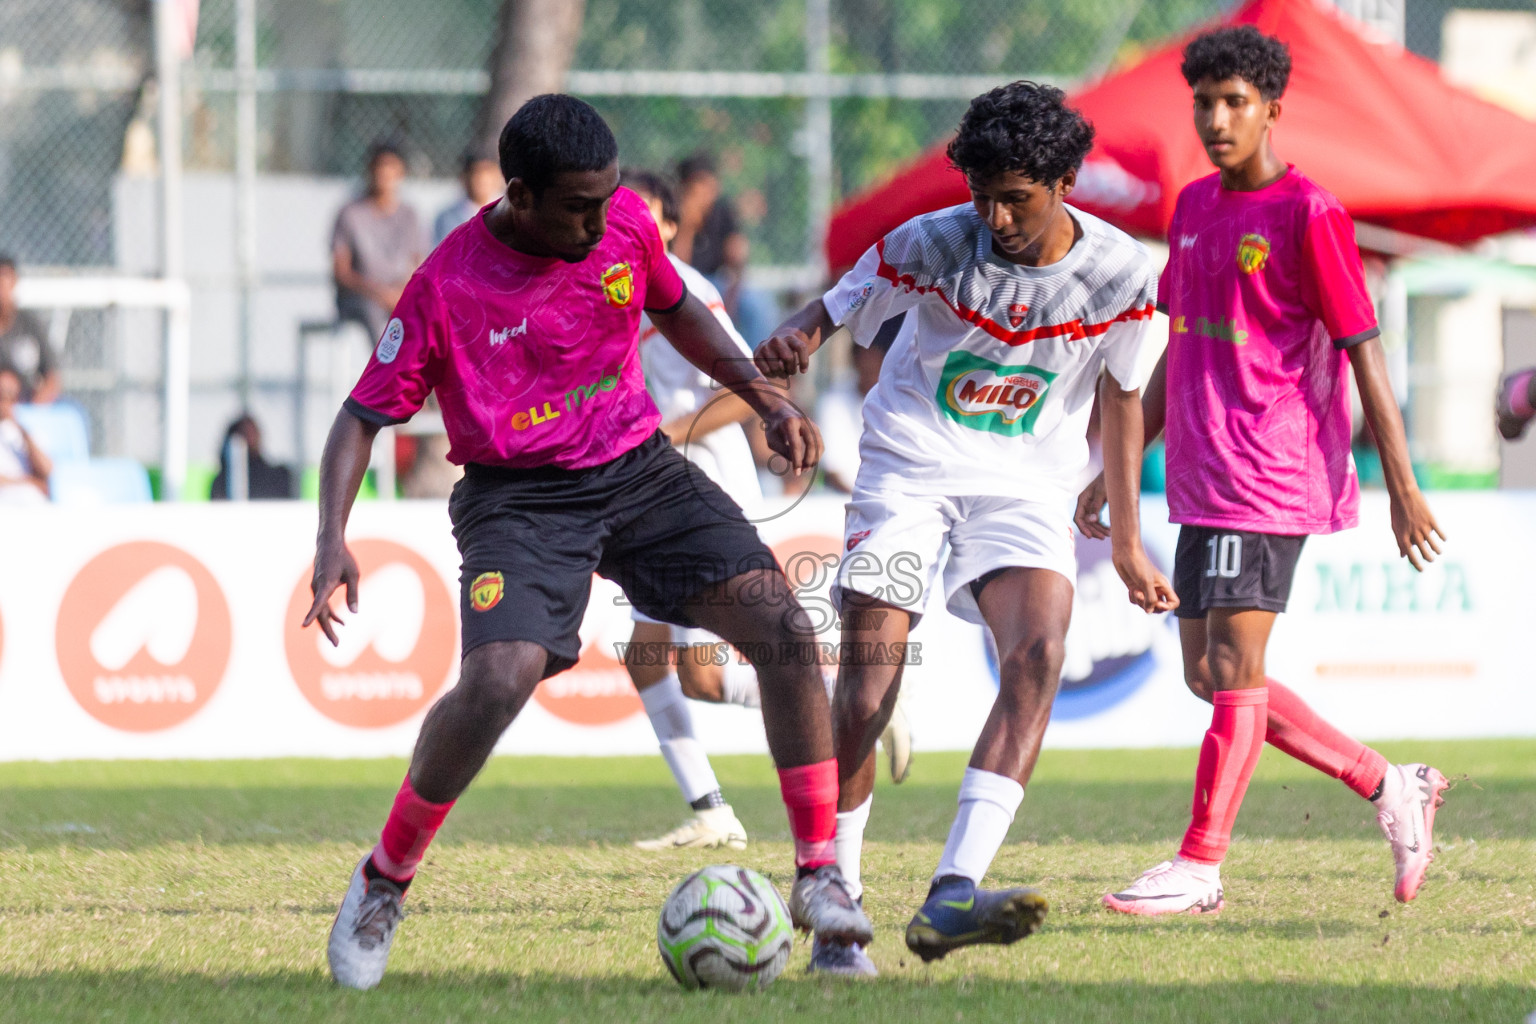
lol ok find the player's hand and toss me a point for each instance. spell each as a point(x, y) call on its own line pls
point(1415, 528)
point(1149, 589)
point(1090, 510)
point(334, 568)
point(792, 435)
point(784, 355)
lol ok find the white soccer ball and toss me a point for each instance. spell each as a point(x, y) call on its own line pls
point(725, 927)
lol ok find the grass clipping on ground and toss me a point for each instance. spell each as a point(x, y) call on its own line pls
point(164, 892)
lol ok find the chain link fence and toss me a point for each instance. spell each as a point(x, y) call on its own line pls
point(801, 102)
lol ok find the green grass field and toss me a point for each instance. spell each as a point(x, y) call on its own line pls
point(163, 892)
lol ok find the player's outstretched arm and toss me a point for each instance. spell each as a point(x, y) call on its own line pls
point(699, 338)
point(347, 449)
point(789, 349)
point(1413, 524)
point(1154, 410)
point(1121, 418)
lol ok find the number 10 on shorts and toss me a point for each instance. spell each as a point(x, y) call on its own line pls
point(1224, 556)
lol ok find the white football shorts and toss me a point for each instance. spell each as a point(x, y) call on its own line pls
point(893, 546)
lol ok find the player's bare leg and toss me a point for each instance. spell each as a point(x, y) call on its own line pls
point(1190, 883)
point(456, 739)
point(461, 730)
point(650, 659)
point(874, 637)
point(758, 614)
point(1405, 796)
point(1028, 611)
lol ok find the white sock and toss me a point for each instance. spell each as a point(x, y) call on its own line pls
point(1204, 872)
point(738, 683)
point(849, 844)
point(988, 802)
point(667, 709)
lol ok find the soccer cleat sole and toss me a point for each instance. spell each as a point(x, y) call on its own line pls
point(1408, 887)
point(1146, 908)
point(720, 843)
point(1020, 916)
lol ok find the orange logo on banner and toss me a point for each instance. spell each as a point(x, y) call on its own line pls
point(143, 636)
point(395, 653)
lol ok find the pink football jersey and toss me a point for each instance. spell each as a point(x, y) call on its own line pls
point(1264, 291)
point(534, 360)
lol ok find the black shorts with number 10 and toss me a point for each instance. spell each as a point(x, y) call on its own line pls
point(1219, 568)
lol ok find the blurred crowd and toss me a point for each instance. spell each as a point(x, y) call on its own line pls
point(377, 241)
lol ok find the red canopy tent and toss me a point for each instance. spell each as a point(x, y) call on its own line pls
point(1374, 124)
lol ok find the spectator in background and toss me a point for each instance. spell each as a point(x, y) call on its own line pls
point(483, 184)
point(376, 245)
point(24, 467)
point(710, 239)
point(840, 409)
point(708, 236)
point(262, 479)
point(24, 348)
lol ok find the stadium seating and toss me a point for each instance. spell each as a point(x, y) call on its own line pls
point(105, 481)
point(59, 428)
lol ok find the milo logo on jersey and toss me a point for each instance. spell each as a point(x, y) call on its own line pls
point(984, 395)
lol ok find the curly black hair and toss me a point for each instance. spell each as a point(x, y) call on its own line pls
point(1240, 51)
point(1024, 127)
point(551, 134)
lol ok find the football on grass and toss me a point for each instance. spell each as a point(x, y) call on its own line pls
point(725, 927)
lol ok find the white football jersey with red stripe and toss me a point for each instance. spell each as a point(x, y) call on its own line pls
point(991, 394)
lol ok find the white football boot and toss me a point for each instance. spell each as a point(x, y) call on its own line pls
point(1175, 886)
point(820, 903)
point(363, 930)
point(848, 961)
point(1410, 793)
point(713, 828)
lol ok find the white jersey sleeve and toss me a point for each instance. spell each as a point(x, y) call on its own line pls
point(1129, 334)
point(676, 385)
point(871, 293)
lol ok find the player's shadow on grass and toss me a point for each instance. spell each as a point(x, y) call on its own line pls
point(912, 994)
point(1054, 812)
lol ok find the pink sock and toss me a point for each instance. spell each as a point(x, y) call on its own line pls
point(810, 795)
point(1297, 730)
point(1227, 758)
point(1520, 394)
point(411, 825)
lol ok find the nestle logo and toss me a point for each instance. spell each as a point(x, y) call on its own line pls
point(508, 333)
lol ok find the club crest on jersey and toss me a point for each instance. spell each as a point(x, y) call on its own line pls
point(619, 285)
point(984, 395)
point(1252, 253)
point(485, 592)
point(855, 539)
point(1016, 313)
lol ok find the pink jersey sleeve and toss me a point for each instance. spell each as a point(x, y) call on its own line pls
point(407, 362)
point(1167, 281)
point(1333, 279)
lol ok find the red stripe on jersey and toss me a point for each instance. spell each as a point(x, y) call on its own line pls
point(1074, 329)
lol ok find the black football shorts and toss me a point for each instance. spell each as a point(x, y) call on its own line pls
point(531, 539)
point(1219, 568)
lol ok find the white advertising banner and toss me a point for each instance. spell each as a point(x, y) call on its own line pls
point(173, 632)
